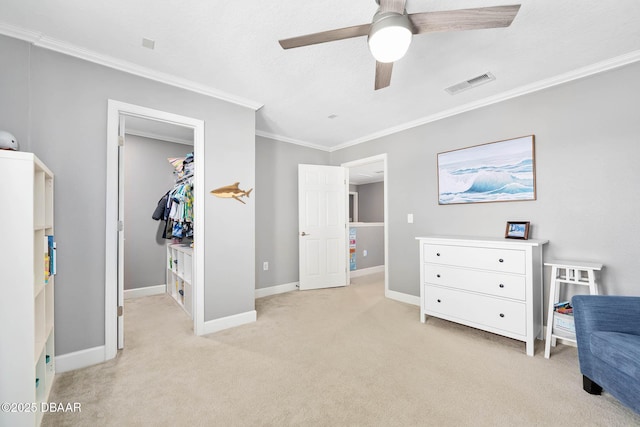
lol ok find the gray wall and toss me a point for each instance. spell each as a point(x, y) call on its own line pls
point(65, 125)
point(370, 239)
point(586, 165)
point(277, 204)
point(371, 202)
point(14, 90)
point(148, 176)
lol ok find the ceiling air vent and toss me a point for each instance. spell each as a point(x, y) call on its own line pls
point(468, 84)
point(148, 43)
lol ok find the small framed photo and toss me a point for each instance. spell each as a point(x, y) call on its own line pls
point(517, 230)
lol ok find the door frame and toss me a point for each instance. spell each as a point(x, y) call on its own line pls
point(355, 205)
point(114, 110)
point(364, 161)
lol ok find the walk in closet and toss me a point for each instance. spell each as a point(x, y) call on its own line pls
point(158, 213)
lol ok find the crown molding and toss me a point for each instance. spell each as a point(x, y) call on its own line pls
point(291, 140)
point(599, 67)
point(19, 33)
point(46, 42)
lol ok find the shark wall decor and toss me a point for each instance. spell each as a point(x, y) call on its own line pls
point(231, 192)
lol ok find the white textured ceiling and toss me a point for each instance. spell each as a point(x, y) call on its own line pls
point(231, 48)
point(367, 173)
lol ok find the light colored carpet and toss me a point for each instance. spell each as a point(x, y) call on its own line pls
point(335, 357)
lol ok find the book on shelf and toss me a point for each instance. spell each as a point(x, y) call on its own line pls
point(50, 257)
point(563, 307)
point(47, 273)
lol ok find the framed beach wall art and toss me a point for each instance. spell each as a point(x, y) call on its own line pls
point(502, 171)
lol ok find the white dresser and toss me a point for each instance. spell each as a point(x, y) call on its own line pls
point(493, 284)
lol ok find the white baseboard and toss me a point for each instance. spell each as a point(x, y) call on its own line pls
point(365, 271)
point(278, 289)
point(145, 292)
point(216, 325)
point(80, 359)
point(406, 298)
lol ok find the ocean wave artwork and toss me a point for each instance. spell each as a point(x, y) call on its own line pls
point(495, 172)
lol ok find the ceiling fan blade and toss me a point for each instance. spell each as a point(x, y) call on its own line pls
point(326, 36)
point(383, 74)
point(464, 19)
point(392, 5)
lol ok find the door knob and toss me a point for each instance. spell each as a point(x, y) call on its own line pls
point(304, 234)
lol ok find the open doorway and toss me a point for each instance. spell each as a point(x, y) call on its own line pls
point(158, 171)
point(118, 113)
point(368, 231)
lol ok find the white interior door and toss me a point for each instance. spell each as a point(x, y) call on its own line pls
point(322, 226)
point(121, 127)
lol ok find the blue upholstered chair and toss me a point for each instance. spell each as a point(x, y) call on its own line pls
point(608, 335)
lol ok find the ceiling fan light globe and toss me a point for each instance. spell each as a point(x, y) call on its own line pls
point(390, 37)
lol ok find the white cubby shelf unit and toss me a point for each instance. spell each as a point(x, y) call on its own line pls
point(180, 275)
point(27, 353)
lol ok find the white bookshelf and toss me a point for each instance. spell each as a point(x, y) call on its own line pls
point(27, 362)
point(180, 275)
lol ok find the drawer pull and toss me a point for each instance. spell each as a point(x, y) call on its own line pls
point(437, 275)
point(501, 285)
point(439, 301)
point(438, 254)
point(501, 314)
point(501, 260)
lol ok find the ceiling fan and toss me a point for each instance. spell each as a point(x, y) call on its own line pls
point(389, 34)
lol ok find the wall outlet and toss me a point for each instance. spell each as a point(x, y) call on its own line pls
point(364, 253)
point(410, 218)
point(265, 265)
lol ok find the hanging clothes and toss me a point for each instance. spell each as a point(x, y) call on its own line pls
point(176, 206)
point(158, 214)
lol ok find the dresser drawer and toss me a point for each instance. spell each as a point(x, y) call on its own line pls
point(504, 260)
point(486, 282)
point(492, 312)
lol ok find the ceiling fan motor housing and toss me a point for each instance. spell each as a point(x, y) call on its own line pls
point(389, 36)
